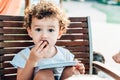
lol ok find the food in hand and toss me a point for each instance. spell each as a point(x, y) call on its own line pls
point(46, 44)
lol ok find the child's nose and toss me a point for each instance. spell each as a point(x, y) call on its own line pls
point(44, 35)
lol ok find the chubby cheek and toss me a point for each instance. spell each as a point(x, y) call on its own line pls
point(52, 42)
point(36, 40)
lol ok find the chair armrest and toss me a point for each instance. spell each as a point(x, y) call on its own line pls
point(107, 70)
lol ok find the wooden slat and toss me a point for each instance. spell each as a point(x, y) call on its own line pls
point(78, 25)
point(23, 31)
point(82, 55)
point(78, 19)
point(72, 31)
point(7, 65)
point(10, 51)
point(21, 44)
point(11, 24)
point(9, 71)
point(14, 37)
point(74, 51)
point(6, 58)
point(74, 37)
point(26, 37)
point(78, 48)
point(11, 18)
point(10, 77)
point(20, 18)
point(15, 44)
point(84, 61)
point(20, 24)
point(77, 43)
point(13, 31)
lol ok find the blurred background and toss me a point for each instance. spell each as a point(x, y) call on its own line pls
point(105, 22)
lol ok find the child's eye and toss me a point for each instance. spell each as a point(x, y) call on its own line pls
point(51, 30)
point(38, 29)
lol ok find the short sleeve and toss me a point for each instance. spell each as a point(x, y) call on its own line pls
point(20, 59)
point(69, 56)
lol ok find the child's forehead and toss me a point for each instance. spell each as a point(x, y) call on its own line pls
point(45, 22)
point(53, 20)
point(45, 18)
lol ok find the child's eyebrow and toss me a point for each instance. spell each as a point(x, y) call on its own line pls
point(37, 25)
point(52, 26)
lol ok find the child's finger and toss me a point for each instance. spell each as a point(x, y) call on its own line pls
point(38, 45)
point(42, 46)
point(45, 47)
point(81, 68)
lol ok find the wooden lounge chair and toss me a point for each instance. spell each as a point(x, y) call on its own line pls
point(13, 38)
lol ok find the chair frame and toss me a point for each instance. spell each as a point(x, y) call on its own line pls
point(8, 22)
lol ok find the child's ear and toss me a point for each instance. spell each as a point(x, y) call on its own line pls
point(60, 34)
point(29, 32)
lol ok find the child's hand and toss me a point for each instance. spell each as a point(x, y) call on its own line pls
point(38, 51)
point(80, 67)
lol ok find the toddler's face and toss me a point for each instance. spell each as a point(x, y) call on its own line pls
point(46, 29)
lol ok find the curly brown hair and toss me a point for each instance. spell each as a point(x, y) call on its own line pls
point(46, 9)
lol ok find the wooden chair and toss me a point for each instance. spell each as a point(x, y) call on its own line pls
point(13, 38)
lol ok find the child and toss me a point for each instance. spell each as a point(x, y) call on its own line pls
point(45, 23)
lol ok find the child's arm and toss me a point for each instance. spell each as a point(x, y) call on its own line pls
point(72, 70)
point(26, 72)
point(37, 53)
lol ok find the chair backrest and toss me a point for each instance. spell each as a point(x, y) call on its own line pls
point(13, 38)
